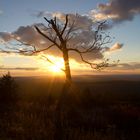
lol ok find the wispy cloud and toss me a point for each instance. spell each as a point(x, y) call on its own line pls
point(19, 68)
point(129, 66)
point(114, 48)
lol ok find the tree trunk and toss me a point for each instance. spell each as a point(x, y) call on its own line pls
point(59, 132)
point(67, 66)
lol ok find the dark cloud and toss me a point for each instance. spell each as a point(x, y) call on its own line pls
point(117, 10)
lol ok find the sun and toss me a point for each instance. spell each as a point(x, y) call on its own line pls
point(55, 65)
point(56, 68)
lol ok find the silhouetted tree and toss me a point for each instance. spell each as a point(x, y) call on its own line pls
point(61, 34)
point(8, 90)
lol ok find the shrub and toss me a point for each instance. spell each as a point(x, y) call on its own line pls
point(8, 90)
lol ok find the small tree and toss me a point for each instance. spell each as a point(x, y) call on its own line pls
point(8, 90)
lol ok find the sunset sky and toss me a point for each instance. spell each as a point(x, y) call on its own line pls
point(123, 18)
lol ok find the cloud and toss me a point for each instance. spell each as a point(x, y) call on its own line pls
point(83, 37)
point(81, 21)
point(117, 10)
point(5, 36)
point(19, 68)
point(114, 48)
point(26, 34)
point(29, 34)
point(128, 66)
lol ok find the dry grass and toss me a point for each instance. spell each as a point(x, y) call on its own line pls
point(82, 115)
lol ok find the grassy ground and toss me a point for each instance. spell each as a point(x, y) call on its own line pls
point(103, 110)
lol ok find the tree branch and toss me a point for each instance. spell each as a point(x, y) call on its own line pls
point(53, 41)
point(65, 26)
point(54, 26)
point(92, 65)
point(38, 51)
point(47, 59)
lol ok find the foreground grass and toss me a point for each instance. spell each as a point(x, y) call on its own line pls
point(41, 113)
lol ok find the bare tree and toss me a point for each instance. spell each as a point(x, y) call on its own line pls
point(60, 34)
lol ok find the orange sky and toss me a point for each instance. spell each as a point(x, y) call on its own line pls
point(36, 66)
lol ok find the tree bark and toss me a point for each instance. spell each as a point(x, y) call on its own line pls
point(59, 133)
point(67, 66)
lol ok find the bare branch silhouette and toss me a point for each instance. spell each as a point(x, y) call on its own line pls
point(65, 32)
point(59, 34)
